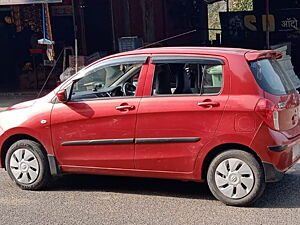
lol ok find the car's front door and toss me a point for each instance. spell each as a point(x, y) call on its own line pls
point(182, 111)
point(95, 128)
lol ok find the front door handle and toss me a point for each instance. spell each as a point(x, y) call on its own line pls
point(208, 104)
point(125, 107)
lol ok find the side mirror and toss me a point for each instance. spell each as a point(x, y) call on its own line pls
point(62, 96)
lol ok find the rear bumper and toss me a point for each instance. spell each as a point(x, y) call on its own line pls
point(285, 155)
point(276, 151)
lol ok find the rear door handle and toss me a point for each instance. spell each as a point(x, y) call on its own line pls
point(208, 104)
point(125, 107)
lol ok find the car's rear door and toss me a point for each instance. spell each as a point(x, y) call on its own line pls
point(184, 98)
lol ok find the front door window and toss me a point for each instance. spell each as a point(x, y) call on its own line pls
point(112, 81)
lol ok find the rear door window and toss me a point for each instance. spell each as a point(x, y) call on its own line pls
point(271, 77)
point(187, 76)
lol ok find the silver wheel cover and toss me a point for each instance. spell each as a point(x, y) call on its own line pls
point(234, 178)
point(24, 166)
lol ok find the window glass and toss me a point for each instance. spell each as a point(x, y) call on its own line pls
point(111, 81)
point(212, 79)
point(187, 78)
point(271, 77)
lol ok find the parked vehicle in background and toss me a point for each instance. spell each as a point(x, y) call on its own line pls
point(221, 115)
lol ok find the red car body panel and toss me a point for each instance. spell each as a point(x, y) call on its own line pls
point(24, 119)
point(233, 122)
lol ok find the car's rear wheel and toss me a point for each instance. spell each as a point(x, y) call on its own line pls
point(27, 165)
point(236, 178)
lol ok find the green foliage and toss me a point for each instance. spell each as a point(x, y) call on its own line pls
point(240, 5)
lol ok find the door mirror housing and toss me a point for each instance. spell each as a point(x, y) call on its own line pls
point(62, 95)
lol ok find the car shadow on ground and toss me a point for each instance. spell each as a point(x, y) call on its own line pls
point(132, 185)
point(283, 194)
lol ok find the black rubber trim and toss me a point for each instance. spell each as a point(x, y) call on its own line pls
point(271, 173)
point(99, 142)
point(54, 168)
point(166, 140)
point(279, 148)
point(187, 59)
point(123, 60)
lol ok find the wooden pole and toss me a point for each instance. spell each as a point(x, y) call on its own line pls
point(75, 37)
point(267, 24)
point(227, 6)
point(113, 25)
point(49, 32)
point(49, 28)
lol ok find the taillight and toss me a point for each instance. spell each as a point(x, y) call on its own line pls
point(268, 111)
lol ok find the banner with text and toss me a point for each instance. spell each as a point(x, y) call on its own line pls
point(236, 24)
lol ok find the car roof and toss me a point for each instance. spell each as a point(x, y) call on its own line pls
point(250, 54)
point(186, 50)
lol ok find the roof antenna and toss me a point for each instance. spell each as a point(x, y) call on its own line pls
point(169, 38)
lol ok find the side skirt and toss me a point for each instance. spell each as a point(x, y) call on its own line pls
point(130, 173)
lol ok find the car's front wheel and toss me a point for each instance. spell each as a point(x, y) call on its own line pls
point(27, 165)
point(236, 178)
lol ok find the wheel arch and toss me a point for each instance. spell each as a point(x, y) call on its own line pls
point(222, 148)
point(12, 139)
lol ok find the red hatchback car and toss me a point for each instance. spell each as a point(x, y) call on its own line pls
point(221, 115)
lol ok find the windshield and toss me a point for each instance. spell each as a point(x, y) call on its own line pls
point(271, 77)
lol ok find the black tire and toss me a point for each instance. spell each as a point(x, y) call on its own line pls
point(27, 165)
point(235, 192)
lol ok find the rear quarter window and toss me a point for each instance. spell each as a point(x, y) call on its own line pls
point(271, 77)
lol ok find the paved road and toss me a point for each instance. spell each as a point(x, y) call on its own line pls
point(84, 199)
